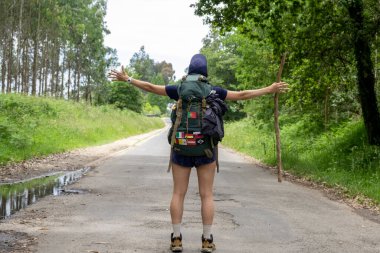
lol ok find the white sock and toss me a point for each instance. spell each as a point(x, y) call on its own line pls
point(176, 230)
point(207, 231)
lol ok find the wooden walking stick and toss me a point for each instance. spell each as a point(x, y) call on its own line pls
point(276, 124)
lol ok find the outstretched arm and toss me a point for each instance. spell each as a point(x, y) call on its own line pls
point(280, 87)
point(149, 87)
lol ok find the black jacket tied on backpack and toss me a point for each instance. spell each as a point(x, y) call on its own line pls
point(212, 124)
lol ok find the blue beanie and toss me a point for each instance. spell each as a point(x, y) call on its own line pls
point(198, 65)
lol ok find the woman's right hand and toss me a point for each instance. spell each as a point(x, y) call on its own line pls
point(118, 75)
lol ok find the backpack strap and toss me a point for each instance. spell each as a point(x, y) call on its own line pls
point(204, 106)
point(175, 127)
point(217, 158)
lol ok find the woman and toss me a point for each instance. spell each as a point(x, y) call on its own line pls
point(181, 165)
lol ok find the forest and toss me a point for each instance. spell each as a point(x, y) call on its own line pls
point(54, 48)
point(333, 52)
point(330, 119)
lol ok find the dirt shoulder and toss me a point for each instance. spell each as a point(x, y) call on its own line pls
point(360, 204)
point(68, 161)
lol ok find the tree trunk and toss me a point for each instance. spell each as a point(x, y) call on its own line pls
point(25, 68)
point(327, 108)
point(376, 57)
point(46, 68)
point(35, 52)
point(365, 74)
point(57, 86)
point(34, 68)
point(18, 71)
point(40, 81)
point(58, 90)
point(75, 85)
point(9, 67)
point(276, 122)
point(88, 95)
point(68, 79)
point(10, 61)
point(52, 57)
point(63, 72)
point(46, 72)
point(78, 69)
point(78, 85)
point(3, 70)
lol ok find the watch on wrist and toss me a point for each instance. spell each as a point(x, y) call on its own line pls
point(129, 80)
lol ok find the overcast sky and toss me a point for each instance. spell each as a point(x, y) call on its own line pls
point(168, 29)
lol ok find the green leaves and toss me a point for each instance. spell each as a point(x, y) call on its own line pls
point(159, 73)
point(125, 96)
point(57, 44)
point(320, 37)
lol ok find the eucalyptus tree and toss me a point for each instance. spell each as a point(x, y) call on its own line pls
point(166, 70)
point(142, 64)
point(52, 47)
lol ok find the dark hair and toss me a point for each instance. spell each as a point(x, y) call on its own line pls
point(198, 65)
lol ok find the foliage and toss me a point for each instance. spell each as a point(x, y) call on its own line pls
point(54, 48)
point(38, 126)
point(125, 96)
point(332, 58)
point(160, 102)
point(159, 73)
point(142, 64)
point(329, 43)
point(165, 70)
point(147, 69)
point(151, 110)
point(221, 61)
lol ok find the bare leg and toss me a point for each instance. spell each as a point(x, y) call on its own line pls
point(181, 177)
point(206, 175)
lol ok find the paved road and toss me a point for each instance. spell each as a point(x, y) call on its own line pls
point(126, 210)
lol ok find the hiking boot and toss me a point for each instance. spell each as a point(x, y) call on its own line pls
point(207, 245)
point(176, 243)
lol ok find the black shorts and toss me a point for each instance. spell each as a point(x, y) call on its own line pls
point(191, 161)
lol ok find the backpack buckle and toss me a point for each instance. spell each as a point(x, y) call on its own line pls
point(202, 78)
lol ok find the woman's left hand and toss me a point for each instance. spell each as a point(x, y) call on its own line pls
point(280, 87)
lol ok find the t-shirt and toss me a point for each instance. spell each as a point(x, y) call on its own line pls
point(171, 90)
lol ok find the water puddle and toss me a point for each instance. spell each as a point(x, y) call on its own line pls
point(16, 196)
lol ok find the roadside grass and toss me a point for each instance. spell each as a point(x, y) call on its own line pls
point(339, 157)
point(31, 126)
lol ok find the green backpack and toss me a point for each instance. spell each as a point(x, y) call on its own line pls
point(185, 136)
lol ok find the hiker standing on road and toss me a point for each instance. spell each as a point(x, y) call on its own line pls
point(197, 103)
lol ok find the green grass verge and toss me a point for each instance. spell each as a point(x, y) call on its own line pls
point(31, 126)
point(339, 157)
